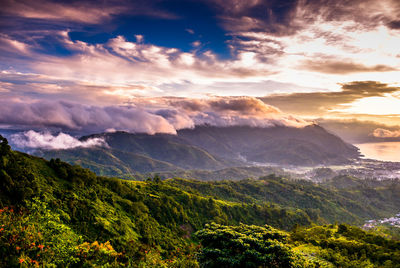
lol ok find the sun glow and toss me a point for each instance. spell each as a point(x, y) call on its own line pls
point(389, 105)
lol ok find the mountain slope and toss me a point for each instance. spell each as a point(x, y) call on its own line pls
point(162, 147)
point(311, 145)
point(107, 161)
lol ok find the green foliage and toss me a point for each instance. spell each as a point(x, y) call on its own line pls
point(82, 219)
point(246, 246)
point(37, 236)
point(348, 246)
point(321, 204)
point(4, 148)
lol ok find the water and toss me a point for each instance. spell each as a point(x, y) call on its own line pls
point(384, 151)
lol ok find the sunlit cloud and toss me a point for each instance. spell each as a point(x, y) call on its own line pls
point(385, 133)
point(317, 55)
point(350, 99)
point(148, 66)
point(304, 57)
point(145, 115)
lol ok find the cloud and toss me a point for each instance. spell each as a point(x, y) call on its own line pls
point(395, 24)
point(343, 67)
point(46, 140)
point(83, 12)
point(321, 103)
point(228, 111)
point(276, 47)
point(304, 39)
point(85, 118)
point(255, 15)
point(87, 12)
point(384, 133)
point(145, 115)
point(290, 43)
point(286, 18)
point(129, 69)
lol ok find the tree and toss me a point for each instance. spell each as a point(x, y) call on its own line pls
point(246, 246)
point(4, 147)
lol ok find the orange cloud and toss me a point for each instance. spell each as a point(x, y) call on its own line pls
point(384, 133)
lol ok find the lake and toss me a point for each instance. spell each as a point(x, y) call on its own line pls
point(384, 151)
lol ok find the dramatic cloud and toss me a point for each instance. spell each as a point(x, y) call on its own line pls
point(272, 16)
point(286, 18)
point(73, 116)
point(45, 140)
point(307, 44)
point(115, 64)
point(226, 111)
point(340, 67)
point(127, 69)
point(304, 39)
point(320, 103)
point(145, 115)
point(384, 133)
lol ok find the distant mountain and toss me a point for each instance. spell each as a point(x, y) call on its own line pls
point(209, 148)
point(308, 146)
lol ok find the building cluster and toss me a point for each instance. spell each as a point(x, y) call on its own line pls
point(393, 221)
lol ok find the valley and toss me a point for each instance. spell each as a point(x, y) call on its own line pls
point(213, 153)
point(161, 222)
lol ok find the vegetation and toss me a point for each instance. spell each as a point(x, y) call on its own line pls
point(321, 203)
point(55, 214)
point(246, 246)
point(347, 246)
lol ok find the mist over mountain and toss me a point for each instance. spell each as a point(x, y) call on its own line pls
point(307, 146)
point(209, 148)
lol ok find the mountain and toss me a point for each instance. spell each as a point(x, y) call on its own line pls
point(311, 145)
point(209, 148)
point(55, 214)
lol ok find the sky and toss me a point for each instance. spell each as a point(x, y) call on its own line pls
point(160, 66)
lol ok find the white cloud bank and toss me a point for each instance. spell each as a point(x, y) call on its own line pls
point(145, 115)
point(46, 140)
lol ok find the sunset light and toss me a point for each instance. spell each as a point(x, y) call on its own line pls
point(200, 133)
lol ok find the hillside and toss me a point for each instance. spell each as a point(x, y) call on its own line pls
point(55, 213)
point(111, 162)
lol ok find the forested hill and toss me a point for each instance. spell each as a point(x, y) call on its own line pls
point(53, 213)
